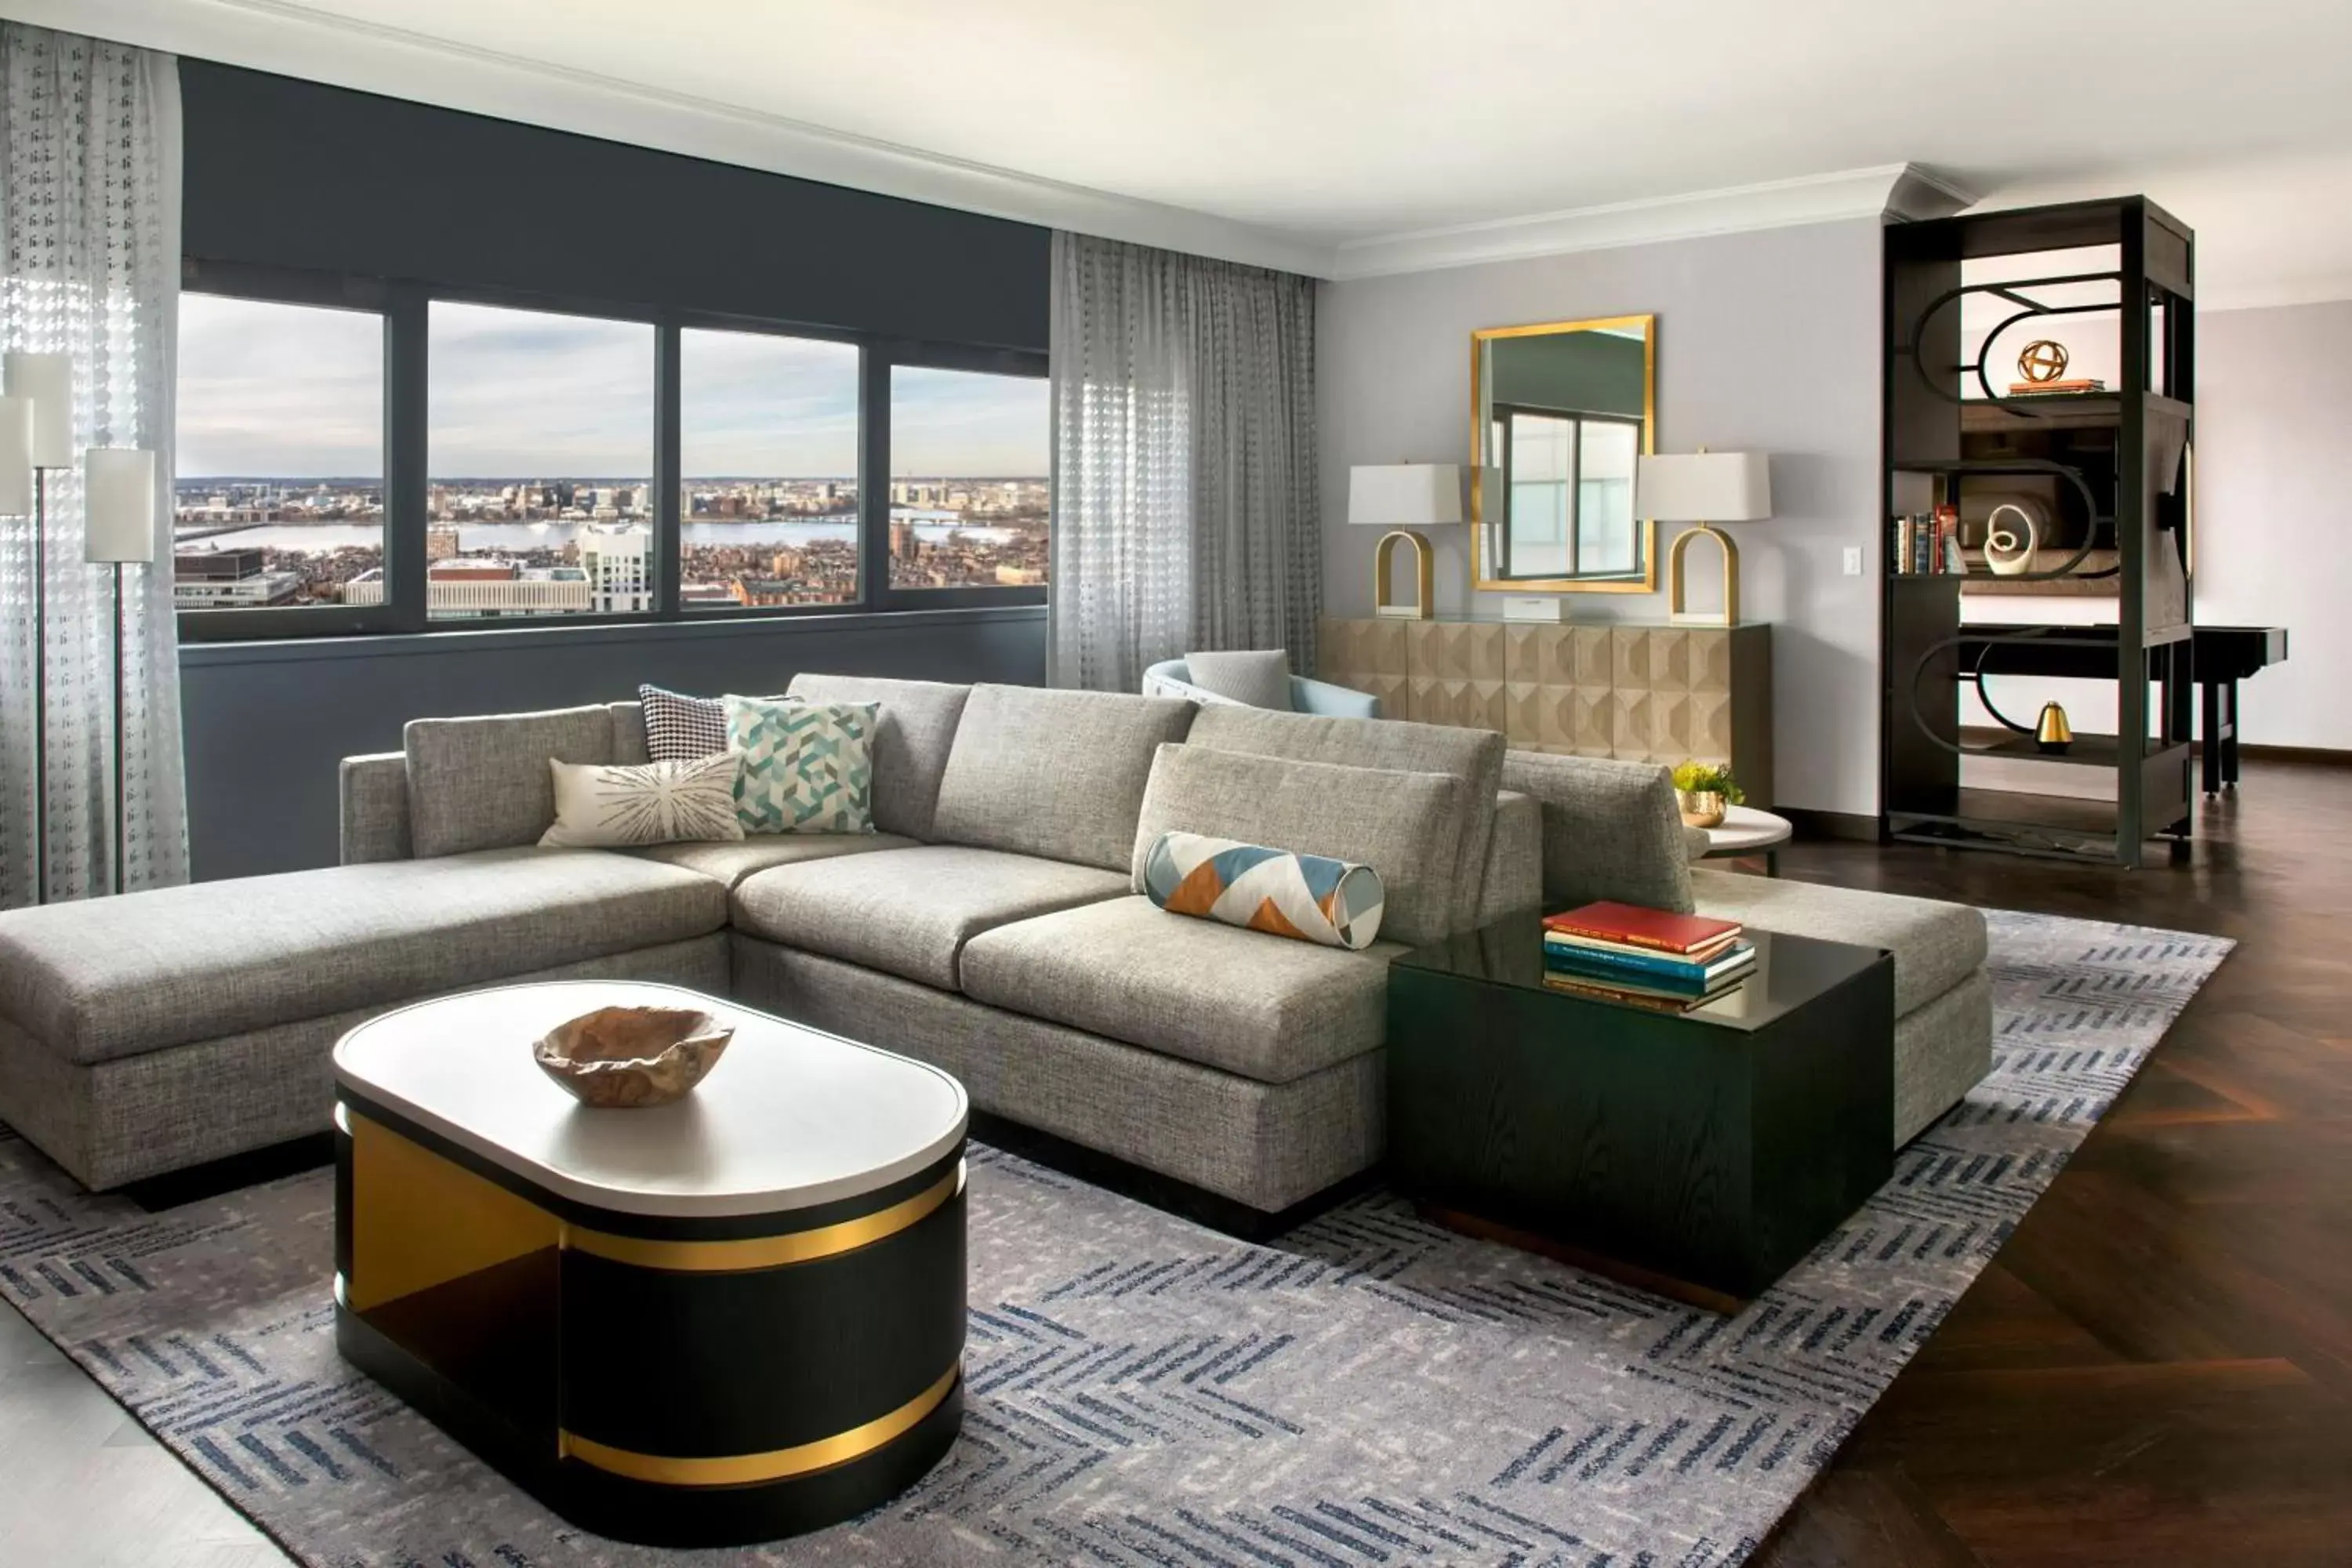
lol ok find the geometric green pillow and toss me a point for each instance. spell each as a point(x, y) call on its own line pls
point(808, 767)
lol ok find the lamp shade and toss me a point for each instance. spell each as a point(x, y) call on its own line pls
point(1404, 495)
point(47, 381)
point(1704, 487)
point(118, 497)
point(15, 457)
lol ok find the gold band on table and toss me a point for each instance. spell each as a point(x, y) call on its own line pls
point(779, 1464)
point(765, 1251)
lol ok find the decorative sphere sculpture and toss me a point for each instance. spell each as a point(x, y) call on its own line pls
point(2043, 362)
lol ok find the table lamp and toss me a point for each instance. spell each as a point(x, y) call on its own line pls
point(1404, 497)
point(1703, 489)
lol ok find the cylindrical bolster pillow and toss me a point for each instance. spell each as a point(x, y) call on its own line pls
point(1311, 897)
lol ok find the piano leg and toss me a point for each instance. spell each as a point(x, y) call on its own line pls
point(2208, 754)
point(2230, 735)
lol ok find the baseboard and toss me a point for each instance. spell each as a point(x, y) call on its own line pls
point(2322, 756)
point(1843, 825)
point(1215, 1210)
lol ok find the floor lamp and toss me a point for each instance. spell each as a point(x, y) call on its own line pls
point(45, 383)
point(117, 495)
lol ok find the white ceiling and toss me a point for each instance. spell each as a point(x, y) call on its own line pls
point(1312, 133)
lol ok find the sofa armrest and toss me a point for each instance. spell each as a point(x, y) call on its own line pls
point(1695, 840)
point(1611, 830)
point(1337, 701)
point(1514, 883)
point(375, 808)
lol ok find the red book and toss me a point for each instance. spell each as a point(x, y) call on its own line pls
point(1637, 927)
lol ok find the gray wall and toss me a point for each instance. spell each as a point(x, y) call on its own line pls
point(1766, 342)
point(268, 722)
point(2274, 413)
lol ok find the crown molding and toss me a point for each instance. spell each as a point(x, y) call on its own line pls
point(1903, 191)
point(291, 39)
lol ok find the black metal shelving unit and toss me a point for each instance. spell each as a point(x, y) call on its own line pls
point(2117, 460)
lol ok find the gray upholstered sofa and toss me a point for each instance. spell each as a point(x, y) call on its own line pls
point(992, 925)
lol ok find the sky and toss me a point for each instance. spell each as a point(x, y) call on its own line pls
point(297, 392)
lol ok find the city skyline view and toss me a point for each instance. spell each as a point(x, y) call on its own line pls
point(285, 392)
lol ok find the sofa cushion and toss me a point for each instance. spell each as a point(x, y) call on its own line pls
point(808, 767)
point(1239, 1001)
point(1256, 677)
point(1403, 826)
point(910, 911)
point(728, 864)
point(1935, 945)
point(1611, 830)
point(1474, 757)
point(117, 977)
point(1058, 775)
point(482, 782)
point(910, 744)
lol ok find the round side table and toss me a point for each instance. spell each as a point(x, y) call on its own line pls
point(1748, 831)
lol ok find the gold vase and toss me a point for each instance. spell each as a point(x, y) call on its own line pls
point(1702, 807)
point(2052, 733)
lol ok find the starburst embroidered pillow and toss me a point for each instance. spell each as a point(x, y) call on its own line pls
point(607, 807)
point(808, 767)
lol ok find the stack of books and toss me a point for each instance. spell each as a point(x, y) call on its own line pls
point(1645, 957)
point(2076, 388)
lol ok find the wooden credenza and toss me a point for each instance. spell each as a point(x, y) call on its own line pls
point(1648, 692)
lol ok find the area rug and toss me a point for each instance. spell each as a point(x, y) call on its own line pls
point(1142, 1391)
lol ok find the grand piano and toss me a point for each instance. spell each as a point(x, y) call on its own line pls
point(2220, 657)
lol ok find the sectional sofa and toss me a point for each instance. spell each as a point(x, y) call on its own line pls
point(992, 924)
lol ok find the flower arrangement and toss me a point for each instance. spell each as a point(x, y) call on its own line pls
point(1704, 792)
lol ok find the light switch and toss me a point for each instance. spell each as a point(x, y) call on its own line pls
point(1854, 560)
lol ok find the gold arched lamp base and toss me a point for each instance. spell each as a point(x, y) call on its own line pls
point(1676, 614)
point(1421, 608)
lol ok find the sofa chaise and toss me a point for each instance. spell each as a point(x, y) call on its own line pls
point(992, 924)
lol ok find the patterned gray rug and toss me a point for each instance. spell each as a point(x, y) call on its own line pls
point(1144, 1392)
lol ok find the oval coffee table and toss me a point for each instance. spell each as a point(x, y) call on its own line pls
point(722, 1321)
point(1746, 831)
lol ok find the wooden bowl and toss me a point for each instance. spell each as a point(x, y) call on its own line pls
point(624, 1058)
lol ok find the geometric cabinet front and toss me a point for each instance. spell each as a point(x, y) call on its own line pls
point(1641, 693)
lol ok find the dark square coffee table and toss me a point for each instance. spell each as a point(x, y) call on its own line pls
point(1699, 1154)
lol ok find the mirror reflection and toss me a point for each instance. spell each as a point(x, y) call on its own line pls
point(1561, 411)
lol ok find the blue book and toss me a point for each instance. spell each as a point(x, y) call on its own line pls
point(1649, 968)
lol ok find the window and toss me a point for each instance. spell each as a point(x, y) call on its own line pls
point(278, 498)
point(767, 455)
point(1572, 491)
point(970, 460)
point(539, 486)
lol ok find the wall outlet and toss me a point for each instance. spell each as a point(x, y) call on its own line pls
point(1854, 560)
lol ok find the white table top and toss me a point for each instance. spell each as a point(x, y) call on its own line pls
point(1745, 829)
point(790, 1118)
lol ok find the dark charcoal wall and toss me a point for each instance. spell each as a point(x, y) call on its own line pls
point(281, 172)
point(288, 173)
point(267, 722)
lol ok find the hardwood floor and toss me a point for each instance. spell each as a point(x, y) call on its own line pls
point(2156, 1369)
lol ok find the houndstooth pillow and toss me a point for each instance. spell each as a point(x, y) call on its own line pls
point(808, 767)
point(603, 807)
point(678, 727)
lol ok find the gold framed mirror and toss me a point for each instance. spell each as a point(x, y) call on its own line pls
point(1559, 413)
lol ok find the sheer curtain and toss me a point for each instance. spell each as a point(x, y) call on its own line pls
point(90, 239)
point(1185, 514)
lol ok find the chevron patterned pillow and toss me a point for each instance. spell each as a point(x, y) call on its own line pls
point(1311, 898)
point(808, 767)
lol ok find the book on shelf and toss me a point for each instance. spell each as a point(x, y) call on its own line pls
point(1655, 1000)
point(1652, 971)
point(2078, 386)
point(1661, 930)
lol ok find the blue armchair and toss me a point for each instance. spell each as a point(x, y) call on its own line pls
point(1171, 678)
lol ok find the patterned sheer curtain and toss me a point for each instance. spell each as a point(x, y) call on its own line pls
point(89, 238)
point(1185, 513)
